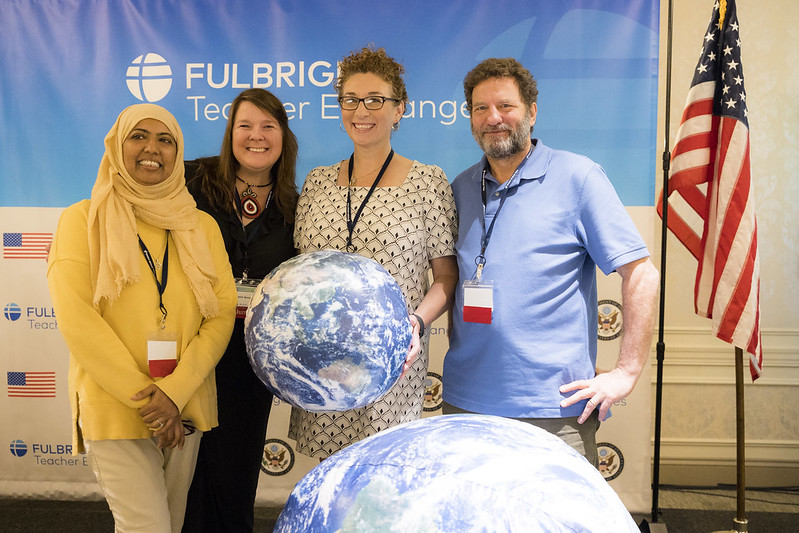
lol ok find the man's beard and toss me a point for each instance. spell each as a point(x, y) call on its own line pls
point(505, 147)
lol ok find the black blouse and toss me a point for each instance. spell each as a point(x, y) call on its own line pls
point(259, 246)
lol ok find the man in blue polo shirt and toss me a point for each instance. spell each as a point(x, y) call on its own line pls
point(534, 223)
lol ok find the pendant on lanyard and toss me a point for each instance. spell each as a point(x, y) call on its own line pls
point(162, 345)
point(478, 294)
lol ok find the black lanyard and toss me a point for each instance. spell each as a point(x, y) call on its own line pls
point(352, 221)
point(480, 260)
point(164, 271)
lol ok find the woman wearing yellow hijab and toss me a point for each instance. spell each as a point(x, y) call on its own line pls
point(145, 300)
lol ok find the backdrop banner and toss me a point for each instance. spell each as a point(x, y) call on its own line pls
point(70, 67)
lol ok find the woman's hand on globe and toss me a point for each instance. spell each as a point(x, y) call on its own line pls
point(414, 349)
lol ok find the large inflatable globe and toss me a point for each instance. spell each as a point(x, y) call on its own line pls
point(455, 474)
point(328, 331)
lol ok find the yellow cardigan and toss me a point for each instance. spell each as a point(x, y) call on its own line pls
point(108, 349)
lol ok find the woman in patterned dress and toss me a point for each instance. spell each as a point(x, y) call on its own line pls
point(389, 208)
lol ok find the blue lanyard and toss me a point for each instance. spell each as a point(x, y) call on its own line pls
point(480, 260)
point(164, 271)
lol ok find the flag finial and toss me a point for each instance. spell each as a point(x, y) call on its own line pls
point(722, 12)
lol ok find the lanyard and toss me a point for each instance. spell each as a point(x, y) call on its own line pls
point(352, 221)
point(250, 231)
point(164, 271)
point(480, 260)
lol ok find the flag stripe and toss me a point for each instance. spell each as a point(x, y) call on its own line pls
point(729, 213)
point(738, 305)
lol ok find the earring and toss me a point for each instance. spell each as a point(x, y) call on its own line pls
point(395, 126)
point(341, 127)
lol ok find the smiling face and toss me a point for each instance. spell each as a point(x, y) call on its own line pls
point(257, 140)
point(500, 121)
point(149, 152)
point(366, 127)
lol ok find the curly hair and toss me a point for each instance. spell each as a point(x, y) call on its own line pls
point(218, 186)
point(507, 67)
point(369, 60)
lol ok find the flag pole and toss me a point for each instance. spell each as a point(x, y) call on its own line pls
point(740, 522)
point(661, 345)
point(716, 139)
point(740, 440)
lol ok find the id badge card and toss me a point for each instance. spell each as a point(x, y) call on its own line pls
point(478, 301)
point(162, 353)
point(245, 288)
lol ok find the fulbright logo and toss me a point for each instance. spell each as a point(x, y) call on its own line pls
point(18, 448)
point(12, 312)
point(149, 77)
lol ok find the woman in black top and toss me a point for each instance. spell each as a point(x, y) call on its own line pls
point(250, 190)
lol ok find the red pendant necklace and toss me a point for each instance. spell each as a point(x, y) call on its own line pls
point(249, 205)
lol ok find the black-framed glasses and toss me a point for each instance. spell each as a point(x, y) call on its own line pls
point(372, 103)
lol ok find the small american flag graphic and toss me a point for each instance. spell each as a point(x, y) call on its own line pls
point(26, 245)
point(31, 384)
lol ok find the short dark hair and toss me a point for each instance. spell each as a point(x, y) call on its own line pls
point(369, 60)
point(506, 67)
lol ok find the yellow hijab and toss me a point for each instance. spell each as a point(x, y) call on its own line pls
point(118, 200)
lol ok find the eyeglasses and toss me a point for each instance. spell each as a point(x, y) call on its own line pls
point(372, 103)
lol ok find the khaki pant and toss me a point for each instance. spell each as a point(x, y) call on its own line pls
point(581, 437)
point(145, 487)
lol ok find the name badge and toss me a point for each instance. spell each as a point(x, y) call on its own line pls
point(478, 301)
point(245, 288)
point(162, 353)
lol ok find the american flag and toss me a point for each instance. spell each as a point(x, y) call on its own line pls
point(711, 205)
point(31, 384)
point(26, 245)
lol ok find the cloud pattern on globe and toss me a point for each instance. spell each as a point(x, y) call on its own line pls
point(455, 473)
point(328, 331)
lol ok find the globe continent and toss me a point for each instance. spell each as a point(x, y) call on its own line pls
point(328, 331)
point(455, 473)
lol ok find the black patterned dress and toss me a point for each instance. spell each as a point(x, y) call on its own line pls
point(402, 227)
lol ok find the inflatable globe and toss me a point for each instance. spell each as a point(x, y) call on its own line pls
point(455, 473)
point(328, 331)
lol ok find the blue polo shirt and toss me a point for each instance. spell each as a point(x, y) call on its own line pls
point(561, 219)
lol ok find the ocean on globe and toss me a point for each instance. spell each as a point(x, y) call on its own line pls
point(328, 331)
point(455, 473)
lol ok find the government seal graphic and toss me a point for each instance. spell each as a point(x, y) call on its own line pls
point(609, 318)
point(433, 390)
point(278, 457)
point(611, 460)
